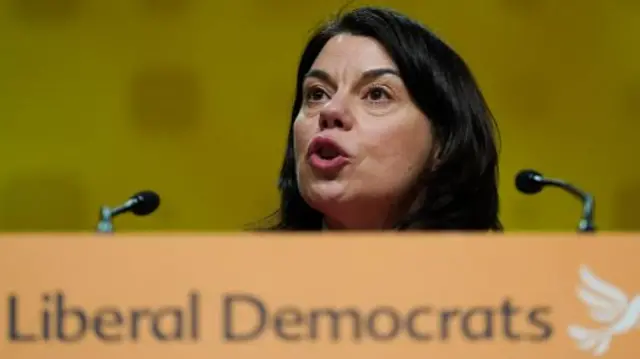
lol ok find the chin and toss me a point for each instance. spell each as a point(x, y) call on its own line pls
point(320, 195)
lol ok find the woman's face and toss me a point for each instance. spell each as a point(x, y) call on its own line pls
point(359, 138)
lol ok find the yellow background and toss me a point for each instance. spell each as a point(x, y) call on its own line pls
point(101, 98)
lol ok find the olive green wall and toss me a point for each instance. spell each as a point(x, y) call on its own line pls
point(101, 98)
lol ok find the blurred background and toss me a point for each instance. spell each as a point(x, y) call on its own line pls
point(191, 98)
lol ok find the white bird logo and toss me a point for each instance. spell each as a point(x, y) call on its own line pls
point(608, 306)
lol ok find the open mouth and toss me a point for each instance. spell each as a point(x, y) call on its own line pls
point(326, 149)
point(326, 155)
point(328, 152)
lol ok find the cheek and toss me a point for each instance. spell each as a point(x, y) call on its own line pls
point(401, 149)
point(301, 136)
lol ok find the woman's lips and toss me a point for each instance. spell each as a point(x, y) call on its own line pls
point(326, 155)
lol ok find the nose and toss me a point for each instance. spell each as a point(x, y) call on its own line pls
point(335, 115)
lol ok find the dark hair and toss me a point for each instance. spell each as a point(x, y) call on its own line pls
point(462, 191)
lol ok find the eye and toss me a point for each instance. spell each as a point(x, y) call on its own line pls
point(377, 94)
point(315, 94)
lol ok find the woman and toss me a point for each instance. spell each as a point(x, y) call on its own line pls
point(388, 131)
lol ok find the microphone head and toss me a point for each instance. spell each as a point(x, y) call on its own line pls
point(144, 203)
point(529, 181)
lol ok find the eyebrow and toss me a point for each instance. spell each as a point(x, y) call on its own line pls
point(366, 76)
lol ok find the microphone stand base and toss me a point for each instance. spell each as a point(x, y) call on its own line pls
point(586, 226)
point(105, 225)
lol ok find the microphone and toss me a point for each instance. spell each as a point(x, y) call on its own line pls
point(531, 182)
point(141, 204)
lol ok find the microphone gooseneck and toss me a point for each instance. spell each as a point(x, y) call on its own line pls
point(141, 204)
point(531, 182)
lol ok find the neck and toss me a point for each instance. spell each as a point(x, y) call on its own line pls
point(361, 224)
point(362, 217)
point(369, 216)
